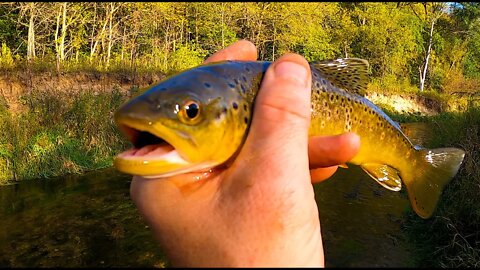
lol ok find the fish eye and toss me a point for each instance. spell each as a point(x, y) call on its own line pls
point(192, 109)
point(190, 112)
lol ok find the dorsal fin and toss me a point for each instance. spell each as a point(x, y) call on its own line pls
point(350, 74)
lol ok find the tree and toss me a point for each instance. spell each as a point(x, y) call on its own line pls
point(428, 13)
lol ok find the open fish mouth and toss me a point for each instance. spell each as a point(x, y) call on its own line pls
point(146, 145)
point(152, 156)
point(145, 142)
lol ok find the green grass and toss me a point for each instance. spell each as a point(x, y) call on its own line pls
point(59, 134)
point(451, 238)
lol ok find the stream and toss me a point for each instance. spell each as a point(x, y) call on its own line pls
point(89, 221)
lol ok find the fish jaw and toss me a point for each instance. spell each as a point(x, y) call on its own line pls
point(164, 159)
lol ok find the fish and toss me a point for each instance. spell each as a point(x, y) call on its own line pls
point(199, 118)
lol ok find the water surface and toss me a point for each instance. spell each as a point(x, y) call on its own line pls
point(90, 221)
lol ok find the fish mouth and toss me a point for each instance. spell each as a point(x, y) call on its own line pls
point(157, 151)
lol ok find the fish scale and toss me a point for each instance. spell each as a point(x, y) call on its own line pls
point(224, 93)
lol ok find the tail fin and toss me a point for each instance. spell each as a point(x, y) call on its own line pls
point(425, 182)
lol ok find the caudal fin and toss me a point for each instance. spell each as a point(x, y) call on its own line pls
point(425, 181)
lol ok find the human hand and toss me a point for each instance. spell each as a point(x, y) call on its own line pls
point(325, 152)
point(260, 210)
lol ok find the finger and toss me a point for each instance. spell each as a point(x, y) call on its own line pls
point(282, 116)
point(240, 50)
point(283, 103)
point(325, 151)
point(321, 174)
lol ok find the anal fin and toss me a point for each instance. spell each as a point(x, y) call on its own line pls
point(384, 175)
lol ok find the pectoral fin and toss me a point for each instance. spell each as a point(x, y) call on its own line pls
point(344, 166)
point(385, 175)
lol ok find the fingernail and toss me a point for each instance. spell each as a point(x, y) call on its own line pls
point(292, 70)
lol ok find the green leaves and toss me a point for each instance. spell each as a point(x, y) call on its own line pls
point(167, 37)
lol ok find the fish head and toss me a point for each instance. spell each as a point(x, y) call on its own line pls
point(185, 123)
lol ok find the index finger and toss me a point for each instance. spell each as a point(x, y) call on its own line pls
point(240, 50)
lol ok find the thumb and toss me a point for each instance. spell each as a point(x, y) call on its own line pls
point(279, 128)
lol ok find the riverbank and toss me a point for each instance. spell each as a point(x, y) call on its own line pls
point(56, 124)
point(451, 237)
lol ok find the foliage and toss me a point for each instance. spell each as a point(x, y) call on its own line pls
point(59, 135)
point(167, 37)
point(450, 237)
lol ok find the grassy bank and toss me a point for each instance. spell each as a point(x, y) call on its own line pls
point(451, 238)
point(58, 134)
point(62, 133)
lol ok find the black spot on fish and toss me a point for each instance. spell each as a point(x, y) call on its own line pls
point(315, 75)
point(245, 120)
point(247, 69)
point(207, 85)
point(324, 81)
point(245, 107)
point(317, 84)
point(331, 98)
point(243, 88)
point(318, 91)
point(244, 78)
point(224, 109)
point(231, 85)
point(235, 80)
point(235, 105)
point(218, 115)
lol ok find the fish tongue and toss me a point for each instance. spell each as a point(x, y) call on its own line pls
point(161, 149)
point(154, 149)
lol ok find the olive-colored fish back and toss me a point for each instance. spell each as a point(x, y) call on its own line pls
point(350, 74)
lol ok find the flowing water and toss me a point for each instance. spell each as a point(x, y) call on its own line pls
point(90, 221)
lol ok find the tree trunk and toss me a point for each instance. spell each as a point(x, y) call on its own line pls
point(57, 48)
point(110, 34)
point(99, 37)
point(64, 32)
point(423, 74)
point(31, 35)
point(92, 37)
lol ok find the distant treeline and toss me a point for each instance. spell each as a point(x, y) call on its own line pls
point(434, 45)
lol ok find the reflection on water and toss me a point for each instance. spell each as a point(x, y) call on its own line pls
point(74, 221)
point(89, 220)
point(417, 132)
point(361, 222)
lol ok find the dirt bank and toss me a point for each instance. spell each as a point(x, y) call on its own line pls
point(408, 103)
point(15, 84)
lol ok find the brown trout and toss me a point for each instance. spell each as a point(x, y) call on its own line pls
point(199, 118)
